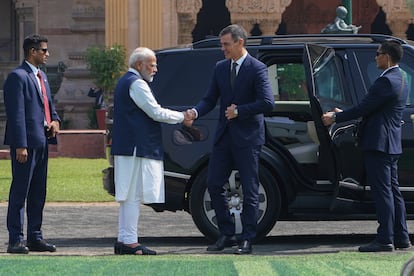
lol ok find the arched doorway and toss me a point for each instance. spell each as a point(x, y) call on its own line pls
point(379, 25)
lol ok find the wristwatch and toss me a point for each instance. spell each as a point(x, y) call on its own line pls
point(236, 112)
point(334, 117)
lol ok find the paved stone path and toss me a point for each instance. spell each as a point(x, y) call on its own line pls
point(91, 229)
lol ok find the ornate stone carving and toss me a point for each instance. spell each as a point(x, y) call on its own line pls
point(187, 18)
point(254, 6)
point(189, 6)
point(398, 16)
point(266, 13)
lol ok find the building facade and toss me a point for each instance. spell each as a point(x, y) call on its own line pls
point(74, 25)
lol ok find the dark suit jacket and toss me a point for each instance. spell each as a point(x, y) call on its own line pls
point(24, 108)
point(381, 110)
point(252, 94)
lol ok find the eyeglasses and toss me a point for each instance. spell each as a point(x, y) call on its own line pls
point(380, 53)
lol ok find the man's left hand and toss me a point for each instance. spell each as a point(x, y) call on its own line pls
point(230, 112)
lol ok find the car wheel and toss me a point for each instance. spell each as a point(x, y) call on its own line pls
point(204, 215)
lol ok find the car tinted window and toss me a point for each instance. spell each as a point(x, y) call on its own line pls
point(328, 84)
point(370, 72)
point(409, 76)
point(183, 77)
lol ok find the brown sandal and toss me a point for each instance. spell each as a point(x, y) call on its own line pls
point(126, 250)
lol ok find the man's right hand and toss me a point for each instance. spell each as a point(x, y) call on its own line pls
point(21, 155)
point(188, 119)
point(191, 114)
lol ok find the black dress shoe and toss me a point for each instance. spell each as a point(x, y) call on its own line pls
point(17, 248)
point(41, 246)
point(375, 246)
point(245, 248)
point(402, 245)
point(222, 242)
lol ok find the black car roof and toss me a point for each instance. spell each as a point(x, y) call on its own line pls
point(304, 38)
point(345, 39)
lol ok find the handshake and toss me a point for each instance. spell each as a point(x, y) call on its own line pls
point(189, 117)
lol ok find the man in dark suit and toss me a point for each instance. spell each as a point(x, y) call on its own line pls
point(32, 122)
point(241, 83)
point(380, 140)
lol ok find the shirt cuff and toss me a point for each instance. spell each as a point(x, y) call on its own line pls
point(195, 111)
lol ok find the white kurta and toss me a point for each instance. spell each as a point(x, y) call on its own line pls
point(140, 180)
point(143, 174)
point(147, 173)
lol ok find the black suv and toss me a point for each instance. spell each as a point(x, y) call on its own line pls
point(307, 171)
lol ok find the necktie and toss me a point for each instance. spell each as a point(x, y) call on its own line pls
point(45, 99)
point(233, 73)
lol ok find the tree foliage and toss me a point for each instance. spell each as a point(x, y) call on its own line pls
point(106, 66)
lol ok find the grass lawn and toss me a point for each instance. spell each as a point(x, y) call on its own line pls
point(319, 264)
point(69, 179)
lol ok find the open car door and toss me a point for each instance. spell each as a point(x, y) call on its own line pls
point(319, 80)
point(337, 152)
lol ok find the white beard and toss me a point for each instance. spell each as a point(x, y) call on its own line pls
point(147, 77)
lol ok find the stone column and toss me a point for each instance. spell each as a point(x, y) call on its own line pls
point(187, 18)
point(169, 24)
point(26, 17)
point(398, 16)
point(266, 13)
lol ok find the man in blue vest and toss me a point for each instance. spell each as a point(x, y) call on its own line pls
point(137, 147)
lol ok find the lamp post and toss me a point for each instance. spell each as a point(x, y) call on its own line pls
point(348, 5)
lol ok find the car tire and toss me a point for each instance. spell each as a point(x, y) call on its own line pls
point(204, 216)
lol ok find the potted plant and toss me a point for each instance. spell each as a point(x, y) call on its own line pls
point(106, 65)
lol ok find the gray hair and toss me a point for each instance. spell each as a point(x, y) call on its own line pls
point(140, 54)
point(236, 32)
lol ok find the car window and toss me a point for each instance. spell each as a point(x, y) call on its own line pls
point(183, 77)
point(370, 72)
point(328, 85)
point(408, 73)
point(288, 82)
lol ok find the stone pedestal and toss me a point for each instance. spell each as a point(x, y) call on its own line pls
point(81, 143)
point(72, 101)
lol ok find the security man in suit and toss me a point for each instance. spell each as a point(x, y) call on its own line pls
point(242, 85)
point(32, 123)
point(380, 140)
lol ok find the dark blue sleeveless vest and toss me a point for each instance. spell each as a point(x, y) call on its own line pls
point(132, 127)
